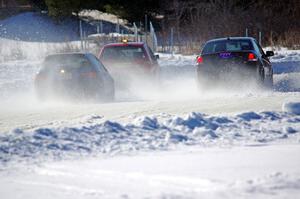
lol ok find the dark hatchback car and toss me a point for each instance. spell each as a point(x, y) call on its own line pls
point(75, 75)
point(235, 57)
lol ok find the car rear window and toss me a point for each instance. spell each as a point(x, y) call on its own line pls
point(123, 53)
point(73, 61)
point(227, 45)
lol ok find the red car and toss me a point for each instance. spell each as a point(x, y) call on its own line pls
point(128, 60)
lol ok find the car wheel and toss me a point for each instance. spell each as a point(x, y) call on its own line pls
point(157, 76)
point(40, 94)
point(269, 82)
point(260, 76)
point(110, 96)
point(105, 96)
point(266, 81)
point(203, 83)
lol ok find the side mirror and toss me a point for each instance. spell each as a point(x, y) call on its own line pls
point(269, 53)
point(156, 56)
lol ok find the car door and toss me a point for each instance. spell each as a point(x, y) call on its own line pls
point(106, 78)
point(265, 60)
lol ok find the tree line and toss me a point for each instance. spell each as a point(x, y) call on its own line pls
point(198, 19)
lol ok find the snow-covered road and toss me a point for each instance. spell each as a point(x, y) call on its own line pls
point(32, 116)
point(178, 96)
point(175, 142)
point(242, 172)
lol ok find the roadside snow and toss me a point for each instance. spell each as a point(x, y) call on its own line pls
point(292, 107)
point(285, 55)
point(229, 145)
point(285, 61)
point(254, 171)
point(35, 27)
point(168, 60)
point(148, 133)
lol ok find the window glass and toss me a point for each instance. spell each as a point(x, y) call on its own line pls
point(259, 48)
point(123, 54)
point(97, 63)
point(227, 45)
point(72, 61)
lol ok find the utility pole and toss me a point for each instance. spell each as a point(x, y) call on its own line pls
point(146, 25)
point(259, 37)
point(118, 26)
point(80, 32)
point(172, 41)
point(135, 32)
point(101, 27)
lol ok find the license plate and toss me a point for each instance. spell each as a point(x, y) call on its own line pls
point(225, 55)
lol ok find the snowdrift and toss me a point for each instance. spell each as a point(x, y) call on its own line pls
point(149, 134)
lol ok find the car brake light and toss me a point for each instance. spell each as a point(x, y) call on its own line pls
point(252, 57)
point(199, 60)
point(89, 74)
point(40, 76)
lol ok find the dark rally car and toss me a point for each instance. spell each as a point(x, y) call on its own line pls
point(75, 75)
point(236, 58)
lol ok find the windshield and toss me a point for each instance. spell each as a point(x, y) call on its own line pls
point(227, 45)
point(72, 61)
point(123, 54)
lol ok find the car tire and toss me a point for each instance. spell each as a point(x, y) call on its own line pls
point(40, 94)
point(202, 83)
point(268, 82)
point(260, 76)
point(106, 96)
point(111, 95)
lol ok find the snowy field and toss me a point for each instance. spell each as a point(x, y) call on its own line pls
point(167, 142)
point(175, 142)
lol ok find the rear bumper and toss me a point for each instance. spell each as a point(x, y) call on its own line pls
point(67, 88)
point(240, 69)
point(228, 75)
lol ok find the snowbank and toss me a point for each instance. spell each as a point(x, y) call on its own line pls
point(32, 35)
point(35, 27)
point(285, 55)
point(292, 107)
point(21, 50)
point(149, 133)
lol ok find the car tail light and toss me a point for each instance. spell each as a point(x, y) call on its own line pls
point(40, 76)
point(199, 60)
point(89, 74)
point(252, 57)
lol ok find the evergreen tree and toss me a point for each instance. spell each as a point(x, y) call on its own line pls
point(62, 8)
